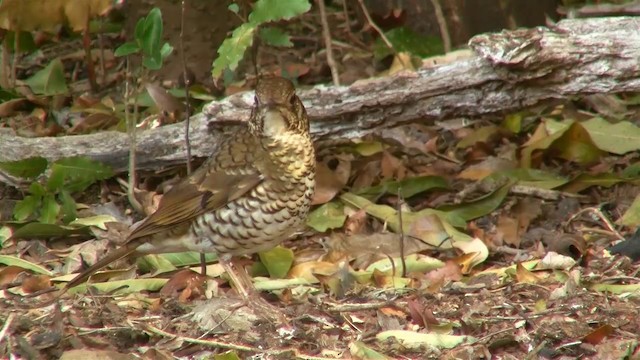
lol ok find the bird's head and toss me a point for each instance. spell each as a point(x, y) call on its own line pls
point(277, 111)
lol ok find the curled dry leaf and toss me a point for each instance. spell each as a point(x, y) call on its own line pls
point(331, 179)
point(525, 276)
point(166, 103)
point(392, 167)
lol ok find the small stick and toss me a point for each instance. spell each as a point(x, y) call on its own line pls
point(326, 34)
point(442, 23)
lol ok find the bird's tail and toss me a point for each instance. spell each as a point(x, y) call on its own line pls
point(120, 253)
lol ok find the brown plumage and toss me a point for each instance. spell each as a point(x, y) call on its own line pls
point(252, 193)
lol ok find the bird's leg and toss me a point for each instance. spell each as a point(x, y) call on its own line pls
point(244, 286)
point(203, 265)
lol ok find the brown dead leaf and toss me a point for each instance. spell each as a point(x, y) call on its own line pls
point(329, 181)
point(401, 62)
point(392, 167)
point(466, 261)
point(488, 166)
point(366, 175)
point(420, 314)
point(429, 229)
point(449, 272)
point(309, 270)
point(525, 276)
point(49, 15)
point(36, 283)
point(13, 107)
point(596, 336)
point(166, 103)
point(507, 229)
point(94, 122)
point(355, 222)
point(392, 311)
point(572, 245)
point(185, 284)
point(10, 274)
point(368, 248)
point(95, 354)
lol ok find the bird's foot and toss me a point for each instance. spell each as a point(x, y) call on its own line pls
point(250, 296)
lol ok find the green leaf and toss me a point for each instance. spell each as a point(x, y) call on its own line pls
point(275, 37)
point(166, 50)
point(50, 209)
point(139, 32)
point(278, 261)
point(274, 10)
point(416, 340)
point(584, 181)
point(404, 39)
point(40, 230)
point(28, 168)
point(234, 8)
point(152, 34)
point(232, 49)
point(16, 261)
point(231, 354)
point(152, 63)
point(26, 43)
point(50, 80)
point(479, 207)
point(408, 187)
point(5, 234)
point(527, 177)
point(127, 48)
point(328, 216)
point(359, 350)
point(631, 217)
point(99, 221)
point(162, 261)
point(26, 207)
point(618, 138)
point(121, 287)
point(69, 212)
point(80, 172)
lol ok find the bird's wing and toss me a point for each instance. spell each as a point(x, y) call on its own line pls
point(205, 191)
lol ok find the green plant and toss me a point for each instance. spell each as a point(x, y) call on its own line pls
point(52, 197)
point(264, 11)
point(148, 41)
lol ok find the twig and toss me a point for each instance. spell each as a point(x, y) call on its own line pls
point(601, 215)
point(326, 34)
point(6, 325)
point(442, 23)
point(381, 33)
point(402, 260)
point(186, 79)
point(103, 69)
point(358, 307)
point(130, 120)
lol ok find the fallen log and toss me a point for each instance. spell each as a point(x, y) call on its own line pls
point(507, 72)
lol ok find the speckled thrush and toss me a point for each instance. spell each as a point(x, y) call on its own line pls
point(251, 194)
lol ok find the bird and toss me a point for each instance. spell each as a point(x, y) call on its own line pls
point(254, 191)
